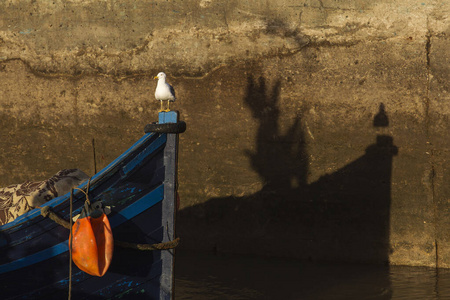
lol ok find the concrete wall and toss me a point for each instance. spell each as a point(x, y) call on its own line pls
point(316, 129)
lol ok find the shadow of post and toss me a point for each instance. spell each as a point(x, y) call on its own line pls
point(343, 216)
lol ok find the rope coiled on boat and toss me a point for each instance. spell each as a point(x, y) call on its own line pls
point(47, 212)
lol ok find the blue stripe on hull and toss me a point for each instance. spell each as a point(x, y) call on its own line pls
point(144, 154)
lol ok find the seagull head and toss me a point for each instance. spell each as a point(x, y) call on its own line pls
point(160, 75)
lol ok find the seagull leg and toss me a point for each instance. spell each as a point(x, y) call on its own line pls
point(168, 106)
point(161, 110)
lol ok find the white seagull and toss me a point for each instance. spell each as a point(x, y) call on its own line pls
point(164, 91)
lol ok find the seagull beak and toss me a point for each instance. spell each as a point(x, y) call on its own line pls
point(156, 77)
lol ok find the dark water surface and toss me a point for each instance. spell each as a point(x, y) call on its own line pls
point(208, 276)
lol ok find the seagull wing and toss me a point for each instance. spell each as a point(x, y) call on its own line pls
point(172, 91)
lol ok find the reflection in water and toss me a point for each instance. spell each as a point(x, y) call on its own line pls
point(207, 276)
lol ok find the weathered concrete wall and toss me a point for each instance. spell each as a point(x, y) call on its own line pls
point(316, 129)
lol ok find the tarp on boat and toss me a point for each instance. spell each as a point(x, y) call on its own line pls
point(17, 199)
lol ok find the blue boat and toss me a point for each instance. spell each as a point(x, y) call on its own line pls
point(140, 187)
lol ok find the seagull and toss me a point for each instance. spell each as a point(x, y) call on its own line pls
point(164, 91)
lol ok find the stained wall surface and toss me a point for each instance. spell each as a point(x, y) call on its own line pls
point(316, 129)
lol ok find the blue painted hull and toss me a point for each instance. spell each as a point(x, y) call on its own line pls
point(140, 187)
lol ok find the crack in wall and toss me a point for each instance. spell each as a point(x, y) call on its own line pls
point(428, 78)
point(428, 41)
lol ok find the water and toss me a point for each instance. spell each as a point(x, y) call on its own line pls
point(207, 276)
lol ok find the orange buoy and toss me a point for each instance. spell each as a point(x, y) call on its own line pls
point(92, 244)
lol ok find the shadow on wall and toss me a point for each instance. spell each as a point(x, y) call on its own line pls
point(342, 216)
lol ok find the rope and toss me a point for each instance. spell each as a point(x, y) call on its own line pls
point(46, 212)
point(71, 241)
point(148, 247)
